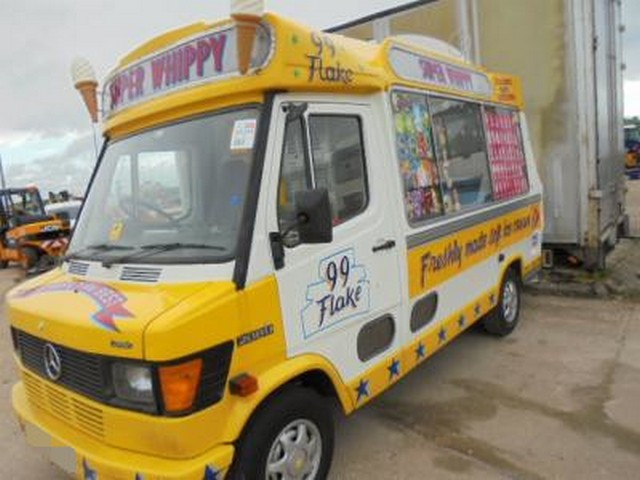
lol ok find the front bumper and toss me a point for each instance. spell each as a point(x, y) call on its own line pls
point(85, 458)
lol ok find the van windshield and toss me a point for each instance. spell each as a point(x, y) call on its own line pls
point(173, 194)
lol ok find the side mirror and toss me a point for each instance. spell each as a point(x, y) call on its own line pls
point(313, 211)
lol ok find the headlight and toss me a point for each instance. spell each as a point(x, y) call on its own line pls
point(133, 383)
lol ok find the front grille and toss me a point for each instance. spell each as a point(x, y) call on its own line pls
point(81, 372)
point(81, 415)
point(90, 375)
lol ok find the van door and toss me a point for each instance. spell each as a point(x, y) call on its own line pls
point(340, 300)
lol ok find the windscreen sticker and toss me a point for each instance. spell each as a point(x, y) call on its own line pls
point(116, 231)
point(342, 292)
point(110, 301)
point(244, 134)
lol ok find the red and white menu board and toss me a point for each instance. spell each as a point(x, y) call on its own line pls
point(506, 155)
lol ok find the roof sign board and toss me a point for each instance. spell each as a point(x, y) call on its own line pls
point(421, 68)
point(208, 56)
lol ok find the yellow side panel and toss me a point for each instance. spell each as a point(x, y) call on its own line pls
point(434, 263)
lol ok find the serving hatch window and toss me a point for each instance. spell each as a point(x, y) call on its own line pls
point(461, 149)
point(417, 162)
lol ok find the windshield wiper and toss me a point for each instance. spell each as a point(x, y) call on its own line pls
point(156, 248)
point(101, 247)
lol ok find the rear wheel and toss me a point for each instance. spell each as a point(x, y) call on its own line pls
point(290, 438)
point(4, 264)
point(504, 318)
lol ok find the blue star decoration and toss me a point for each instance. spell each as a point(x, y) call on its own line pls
point(421, 351)
point(210, 473)
point(394, 369)
point(477, 310)
point(462, 321)
point(442, 335)
point(89, 474)
point(362, 389)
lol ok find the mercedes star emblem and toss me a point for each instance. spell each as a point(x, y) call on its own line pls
point(52, 363)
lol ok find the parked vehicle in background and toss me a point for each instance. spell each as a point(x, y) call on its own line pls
point(568, 55)
point(28, 235)
point(65, 210)
point(632, 145)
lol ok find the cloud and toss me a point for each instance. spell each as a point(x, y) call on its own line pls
point(69, 168)
point(632, 98)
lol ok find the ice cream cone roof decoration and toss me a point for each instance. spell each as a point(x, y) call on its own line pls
point(247, 15)
point(84, 80)
point(247, 7)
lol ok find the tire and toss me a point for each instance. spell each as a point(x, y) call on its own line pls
point(504, 318)
point(292, 414)
point(3, 264)
point(30, 257)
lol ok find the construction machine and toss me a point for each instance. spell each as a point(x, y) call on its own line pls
point(28, 235)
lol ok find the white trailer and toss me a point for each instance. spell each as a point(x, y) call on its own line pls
point(568, 54)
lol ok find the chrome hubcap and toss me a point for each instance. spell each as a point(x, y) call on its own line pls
point(510, 301)
point(296, 452)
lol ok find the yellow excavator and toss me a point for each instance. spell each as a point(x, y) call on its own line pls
point(28, 236)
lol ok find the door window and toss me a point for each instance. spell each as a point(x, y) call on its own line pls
point(331, 155)
point(338, 163)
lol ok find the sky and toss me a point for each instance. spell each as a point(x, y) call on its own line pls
point(45, 133)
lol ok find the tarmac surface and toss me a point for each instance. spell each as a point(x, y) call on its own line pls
point(558, 399)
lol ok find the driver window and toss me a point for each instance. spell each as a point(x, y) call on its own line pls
point(337, 163)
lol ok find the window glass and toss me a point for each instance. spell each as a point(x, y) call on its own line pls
point(164, 180)
point(462, 153)
point(338, 163)
point(506, 155)
point(172, 194)
point(294, 175)
point(121, 189)
point(420, 177)
point(27, 203)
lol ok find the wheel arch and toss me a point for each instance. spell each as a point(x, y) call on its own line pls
point(308, 371)
point(514, 262)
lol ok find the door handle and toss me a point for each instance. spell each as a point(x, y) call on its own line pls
point(388, 245)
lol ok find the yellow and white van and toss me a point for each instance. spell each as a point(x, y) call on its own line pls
point(264, 234)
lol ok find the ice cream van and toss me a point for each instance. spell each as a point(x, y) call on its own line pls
point(282, 221)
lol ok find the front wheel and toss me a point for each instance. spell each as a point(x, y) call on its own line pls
point(290, 438)
point(504, 318)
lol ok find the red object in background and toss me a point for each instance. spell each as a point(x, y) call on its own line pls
point(506, 155)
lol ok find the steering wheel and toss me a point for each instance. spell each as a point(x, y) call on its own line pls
point(126, 204)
